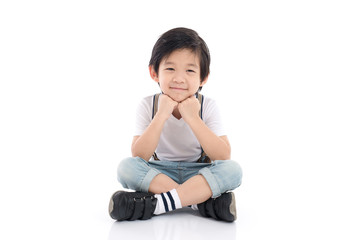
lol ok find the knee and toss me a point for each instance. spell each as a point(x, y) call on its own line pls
point(121, 173)
point(233, 171)
point(237, 172)
point(125, 170)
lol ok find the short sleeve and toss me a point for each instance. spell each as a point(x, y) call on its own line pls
point(143, 116)
point(212, 117)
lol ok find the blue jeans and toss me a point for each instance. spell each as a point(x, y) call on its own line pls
point(222, 175)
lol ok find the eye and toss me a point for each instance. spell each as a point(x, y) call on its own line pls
point(190, 70)
point(169, 69)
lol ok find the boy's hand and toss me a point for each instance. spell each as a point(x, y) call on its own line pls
point(166, 106)
point(189, 109)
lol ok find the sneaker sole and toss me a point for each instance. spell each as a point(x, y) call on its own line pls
point(232, 207)
point(111, 204)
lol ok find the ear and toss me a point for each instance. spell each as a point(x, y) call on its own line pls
point(153, 74)
point(205, 80)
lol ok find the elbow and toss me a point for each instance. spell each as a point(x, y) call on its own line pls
point(226, 155)
point(140, 155)
point(143, 157)
point(223, 156)
point(225, 152)
point(136, 152)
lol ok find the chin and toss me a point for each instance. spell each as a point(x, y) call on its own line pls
point(179, 98)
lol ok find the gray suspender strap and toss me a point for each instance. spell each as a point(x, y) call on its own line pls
point(154, 111)
point(155, 104)
point(203, 158)
point(200, 97)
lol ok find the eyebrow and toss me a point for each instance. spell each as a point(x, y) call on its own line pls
point(189, 64)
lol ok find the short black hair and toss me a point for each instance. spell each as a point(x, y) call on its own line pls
point(181, 38)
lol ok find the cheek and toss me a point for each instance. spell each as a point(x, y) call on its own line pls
point(163, 80)
point(195, 84)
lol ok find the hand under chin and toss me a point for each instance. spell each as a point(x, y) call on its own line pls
point(179, 98)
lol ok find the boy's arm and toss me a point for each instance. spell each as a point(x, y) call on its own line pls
point(216, 147)
point(145, 145)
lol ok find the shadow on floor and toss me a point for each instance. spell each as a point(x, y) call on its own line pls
point(181, 224)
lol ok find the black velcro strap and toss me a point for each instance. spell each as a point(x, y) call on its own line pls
point(209, 208)
point(147, 209)
point(138, 209)
point(202, 210)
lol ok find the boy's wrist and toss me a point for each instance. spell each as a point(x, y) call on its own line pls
point(160, 118)
point(193, 120)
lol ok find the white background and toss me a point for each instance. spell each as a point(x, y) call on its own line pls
point(285, 74)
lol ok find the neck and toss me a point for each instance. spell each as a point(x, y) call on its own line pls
point(176, 113)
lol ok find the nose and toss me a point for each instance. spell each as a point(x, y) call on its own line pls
point(179, 78)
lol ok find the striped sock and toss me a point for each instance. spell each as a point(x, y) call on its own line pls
point(166, 202)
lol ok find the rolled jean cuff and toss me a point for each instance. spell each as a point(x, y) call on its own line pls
point(211, 180)
point(145, 183)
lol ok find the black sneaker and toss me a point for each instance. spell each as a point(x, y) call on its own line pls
point(132, 205)
point(221, 208)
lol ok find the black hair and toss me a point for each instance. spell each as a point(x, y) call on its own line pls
point(181, 38)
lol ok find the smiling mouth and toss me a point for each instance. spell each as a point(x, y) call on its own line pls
point(180, 89)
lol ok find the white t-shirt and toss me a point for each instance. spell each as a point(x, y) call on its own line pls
point(177, 141)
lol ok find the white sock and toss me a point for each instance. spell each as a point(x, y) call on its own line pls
point(194, 207)
point(167, 202)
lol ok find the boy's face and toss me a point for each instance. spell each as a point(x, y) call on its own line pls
point(179, 74)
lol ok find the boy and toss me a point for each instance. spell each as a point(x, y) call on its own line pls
point(173, 130)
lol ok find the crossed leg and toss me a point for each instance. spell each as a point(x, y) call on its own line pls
point(194, 191)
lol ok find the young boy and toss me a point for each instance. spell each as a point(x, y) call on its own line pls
point(174, 129)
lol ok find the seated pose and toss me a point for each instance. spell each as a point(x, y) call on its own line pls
point(181, 154)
